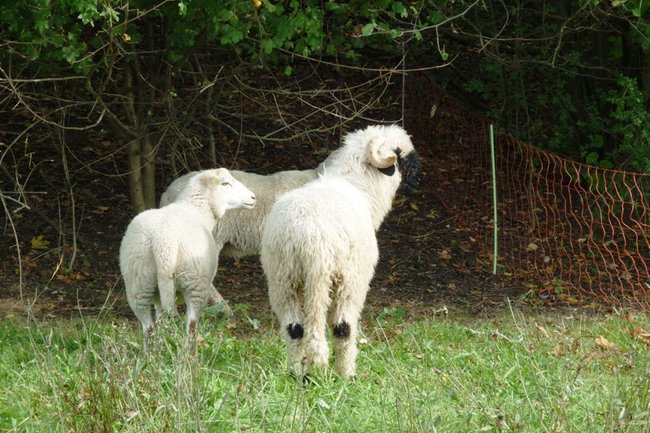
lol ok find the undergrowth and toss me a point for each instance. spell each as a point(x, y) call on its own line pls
point(519, 373)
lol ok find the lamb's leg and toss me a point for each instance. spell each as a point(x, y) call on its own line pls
point(216, 299)
point(140, 303)
point(344, 320)
point(192, 327)
point(167, 293)
point(165, 259)
point(286, 306)
point(196, 299)
point(147, 329)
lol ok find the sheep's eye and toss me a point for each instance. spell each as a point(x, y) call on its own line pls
point(225, 183)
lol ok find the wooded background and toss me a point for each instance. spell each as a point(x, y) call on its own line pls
point(162, 78)
point(145, 90)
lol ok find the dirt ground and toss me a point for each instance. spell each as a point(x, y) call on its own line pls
point(427, 264)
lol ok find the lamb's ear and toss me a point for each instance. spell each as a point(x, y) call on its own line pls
point(381, 155)
point(210, 178)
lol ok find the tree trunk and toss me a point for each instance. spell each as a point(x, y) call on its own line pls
point(135, 177)
point(141, 156)
point(148, 172)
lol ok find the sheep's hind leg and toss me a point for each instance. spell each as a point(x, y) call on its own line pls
point(344, 320)
point(286, 306)
point(345, 347)
point(293, 334)
point(317, 301)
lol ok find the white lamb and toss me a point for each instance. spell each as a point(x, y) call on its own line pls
point(239, 232)
point(172, 248)
point(319, 246)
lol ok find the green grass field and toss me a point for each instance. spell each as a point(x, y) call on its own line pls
point(517, 372)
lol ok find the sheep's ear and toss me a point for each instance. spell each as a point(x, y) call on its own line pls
point(218, 207)
point(380, 153)
point(211, 178)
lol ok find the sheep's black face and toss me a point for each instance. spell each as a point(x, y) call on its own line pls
point(411, 168)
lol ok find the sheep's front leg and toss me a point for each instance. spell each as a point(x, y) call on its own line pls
point(216, 299)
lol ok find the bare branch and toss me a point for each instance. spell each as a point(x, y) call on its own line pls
point(21, 101)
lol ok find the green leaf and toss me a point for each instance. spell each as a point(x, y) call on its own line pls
point(232, 36)
point(368, 29)
point(267, 46)
point(39, 243)
point(112, 14)
point(605, 163)
point(592, 158)
point(398, 8)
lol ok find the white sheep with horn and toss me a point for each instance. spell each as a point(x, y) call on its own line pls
point(319, 246)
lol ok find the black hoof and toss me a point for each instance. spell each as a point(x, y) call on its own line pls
point(304, 378)
point(307, 380)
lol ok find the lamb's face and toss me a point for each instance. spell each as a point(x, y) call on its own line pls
point(226, 192)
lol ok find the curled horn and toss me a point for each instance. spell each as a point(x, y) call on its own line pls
point(381, 155)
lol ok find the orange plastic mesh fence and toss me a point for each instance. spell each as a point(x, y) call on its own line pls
point(570, 231)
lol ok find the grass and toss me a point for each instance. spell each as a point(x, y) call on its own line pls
point(516, 373)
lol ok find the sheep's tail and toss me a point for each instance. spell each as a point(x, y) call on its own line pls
point(316, 303)
point(165, 259)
